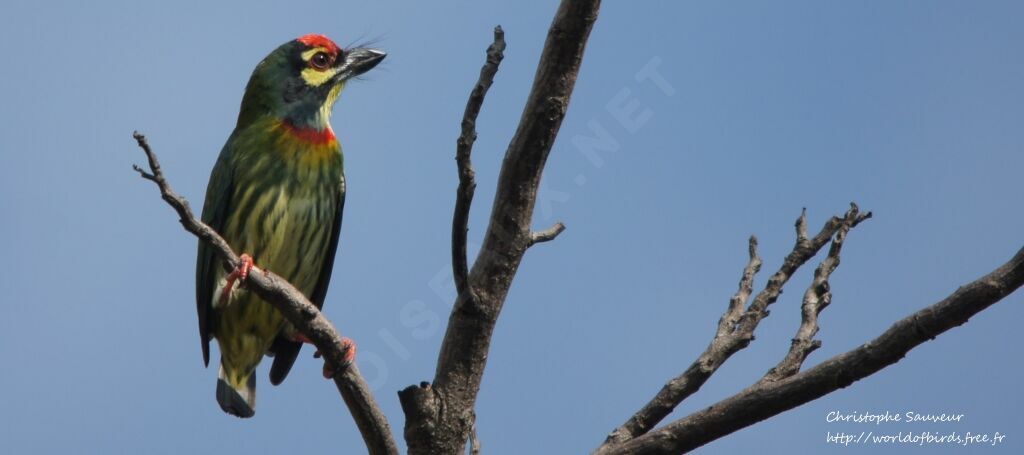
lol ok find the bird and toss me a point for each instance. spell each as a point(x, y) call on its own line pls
point(276, 193)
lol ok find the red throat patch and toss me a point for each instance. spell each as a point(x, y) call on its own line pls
point(314, 40)
point(311, 135)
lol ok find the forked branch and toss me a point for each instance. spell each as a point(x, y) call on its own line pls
point(816, 298)
point(440, 415)
point(769, 398)
point(735, 328)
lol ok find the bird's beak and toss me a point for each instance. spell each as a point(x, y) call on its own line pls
point(358, 61)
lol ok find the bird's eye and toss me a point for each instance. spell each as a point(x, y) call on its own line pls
point(321, 60)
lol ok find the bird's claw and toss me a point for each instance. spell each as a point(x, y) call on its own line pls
point(245, 267)
point(349, 347)
point(240, 274)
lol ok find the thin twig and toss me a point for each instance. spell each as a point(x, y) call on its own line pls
point(295, 307)
point(816, 298)
point(727, 323)
point(801, 227)
point(546, 235)
point(767, 399)
point(463, 150)
point(735, 332)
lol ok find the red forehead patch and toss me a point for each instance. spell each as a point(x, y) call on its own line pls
point(314, 40)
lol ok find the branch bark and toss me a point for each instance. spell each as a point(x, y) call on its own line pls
point(305, 316)
point(439, 416)
point(546, 235)
point(463, 150)
point(766, 399)
point(735, 328)
point(816, 298)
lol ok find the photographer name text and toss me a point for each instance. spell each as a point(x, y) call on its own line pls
point(908, 437)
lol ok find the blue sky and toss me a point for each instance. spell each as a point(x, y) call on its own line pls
point(912, 109)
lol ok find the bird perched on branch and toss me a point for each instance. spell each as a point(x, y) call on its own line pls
point(275, 194)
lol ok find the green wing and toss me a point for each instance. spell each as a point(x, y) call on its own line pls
point(215, 210)
point(285, 350)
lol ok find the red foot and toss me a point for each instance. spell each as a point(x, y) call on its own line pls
point(350, 350)
point(349, 347)
point(241, 273)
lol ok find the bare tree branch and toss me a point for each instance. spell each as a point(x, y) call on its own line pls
point(727, 323)
point(439, 416)
point(735, 332)
point(463, 150)
point(766, 399)
point(816, 298)
point(546, 235)
point(295, 307)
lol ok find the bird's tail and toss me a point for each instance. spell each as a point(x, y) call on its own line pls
point(237, 399)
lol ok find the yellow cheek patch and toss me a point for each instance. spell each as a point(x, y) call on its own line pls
point(316, 78)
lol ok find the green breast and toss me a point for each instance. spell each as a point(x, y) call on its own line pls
point(285, 197)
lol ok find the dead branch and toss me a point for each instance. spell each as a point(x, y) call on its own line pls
point(766, 398)
point(439, 416)
point(463, 150)
point(816, 298)
point(305, 316)
point(546, 235)
point(735, 330)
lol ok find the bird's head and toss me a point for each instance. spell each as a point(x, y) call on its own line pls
point(300, 81)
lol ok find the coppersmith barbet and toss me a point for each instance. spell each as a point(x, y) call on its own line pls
point(276, 194)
